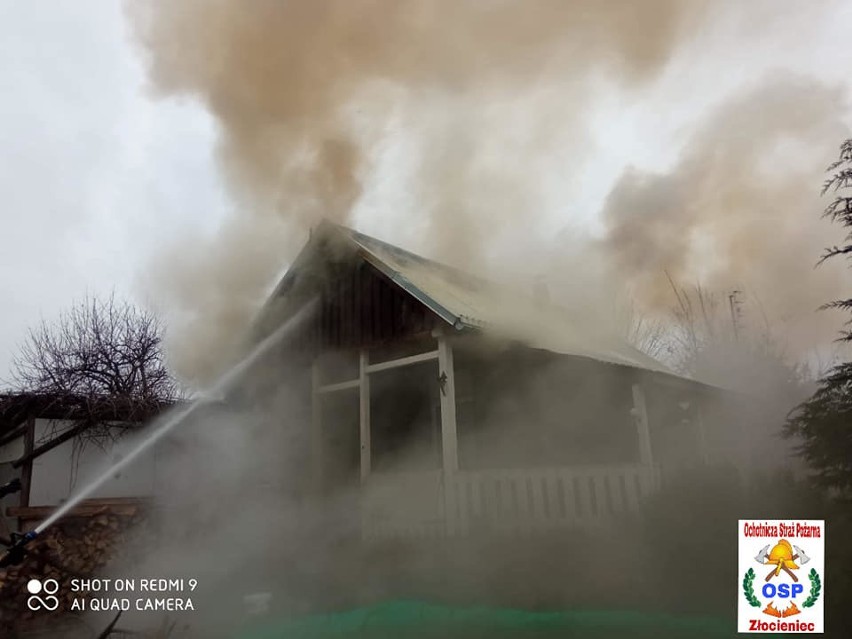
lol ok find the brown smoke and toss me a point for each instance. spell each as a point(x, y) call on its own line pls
point(481, 99)
point(292, 83)
point(740, 209)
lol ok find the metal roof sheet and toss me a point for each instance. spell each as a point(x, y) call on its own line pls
point(466, 301)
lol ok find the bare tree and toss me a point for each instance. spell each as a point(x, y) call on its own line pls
point(101, 365)
point(99, 349)
point(700, 326)
point(644, 332)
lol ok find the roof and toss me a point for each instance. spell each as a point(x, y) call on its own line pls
point(465, 301)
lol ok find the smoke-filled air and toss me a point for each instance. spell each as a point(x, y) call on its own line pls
point(571, 402)
point(464, 131)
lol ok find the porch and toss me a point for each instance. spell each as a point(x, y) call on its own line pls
point(511, 502)
point(435, 495)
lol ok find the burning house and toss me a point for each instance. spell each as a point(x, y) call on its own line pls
point(453, 406)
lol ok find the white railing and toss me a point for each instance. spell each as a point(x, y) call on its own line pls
point(406, 505)
point(501, 501)
point(538, 499)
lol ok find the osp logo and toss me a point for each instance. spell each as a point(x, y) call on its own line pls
point(49, 588)
point(789, 597)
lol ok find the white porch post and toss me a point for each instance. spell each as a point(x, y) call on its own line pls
point(449, 439)
point(446, 377)
point(364, 419)
point(640, 412)
point(316, 427)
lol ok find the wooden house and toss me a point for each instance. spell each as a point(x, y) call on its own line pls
point(451, 406)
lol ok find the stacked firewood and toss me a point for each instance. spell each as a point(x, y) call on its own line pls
point(77, 547)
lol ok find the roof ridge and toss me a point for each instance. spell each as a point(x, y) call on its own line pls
point(465, 300)
point(466, 276)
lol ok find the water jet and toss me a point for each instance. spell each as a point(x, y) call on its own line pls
point(168, 423)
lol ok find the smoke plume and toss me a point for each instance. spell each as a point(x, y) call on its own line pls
point(739, 209)
point(305, 93)
point(439, 123)
point(444, 126)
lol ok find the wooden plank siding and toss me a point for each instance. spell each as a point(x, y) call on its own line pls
point(360, 307)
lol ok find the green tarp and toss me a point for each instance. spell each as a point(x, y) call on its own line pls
point(397, 619)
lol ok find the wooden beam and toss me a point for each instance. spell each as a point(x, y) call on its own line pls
point(640, 414)
point(364, 413)
point(447, 383)
point(53, 443)
point(127, 506)
point(330, 388)
point(5, 533)
point(403, 361)
point(14, 434)
point(27, 470)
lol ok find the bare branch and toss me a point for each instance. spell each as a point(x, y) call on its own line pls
point(99, 350)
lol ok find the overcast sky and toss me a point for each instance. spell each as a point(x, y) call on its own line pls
point(96, 173)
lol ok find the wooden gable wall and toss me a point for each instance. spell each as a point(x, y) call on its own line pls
point(360, 306)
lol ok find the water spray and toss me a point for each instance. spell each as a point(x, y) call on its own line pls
point(17, 548)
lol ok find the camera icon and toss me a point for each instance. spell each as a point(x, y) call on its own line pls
point(49, 588)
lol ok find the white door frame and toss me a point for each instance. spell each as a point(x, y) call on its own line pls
point(446, 380)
